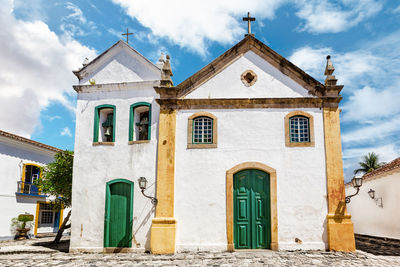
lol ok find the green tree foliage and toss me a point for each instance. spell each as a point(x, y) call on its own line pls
point(56, 180)
point(369, 163)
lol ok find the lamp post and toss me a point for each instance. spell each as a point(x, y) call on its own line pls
point(142, 185)
point(356, 182)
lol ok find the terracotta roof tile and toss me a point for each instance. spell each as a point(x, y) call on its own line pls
point(28, 141)
point(394, 164)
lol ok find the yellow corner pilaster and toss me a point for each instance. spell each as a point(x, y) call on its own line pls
point(339, 226)
point(163, 227)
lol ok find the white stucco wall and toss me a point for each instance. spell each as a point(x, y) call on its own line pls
point(270, 81)
point(13, 155)
point(245, 136)
point(370, 219)
point(94, 166)
point(121, 64)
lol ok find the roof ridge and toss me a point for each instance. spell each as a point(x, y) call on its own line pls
point(394, 164)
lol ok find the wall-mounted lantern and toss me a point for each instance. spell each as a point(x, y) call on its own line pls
point(378, 200)
point(356, 182)
point(142, 185)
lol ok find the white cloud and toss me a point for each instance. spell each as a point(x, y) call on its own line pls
point(66, 132)
point(370, 107)
point(192, 24)
point(323, 16)
point(35, 69)
point(396, 10)
point(352, 156)
point(75, 23)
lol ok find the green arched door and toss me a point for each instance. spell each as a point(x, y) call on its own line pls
point(251, 203)
point(118, 214)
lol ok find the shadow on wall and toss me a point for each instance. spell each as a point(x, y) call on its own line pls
point(142, 223)
point(325, 234)
point(23, 154)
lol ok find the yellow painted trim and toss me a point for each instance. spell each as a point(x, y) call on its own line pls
point(61, 218)
point(273, 201)
point(190, 130)
point(37, 217)
point(287, 129)
point(339, 226)
point(163, 228)
point(23, 175)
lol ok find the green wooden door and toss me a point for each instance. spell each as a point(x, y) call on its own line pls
point(119, 209)
point(251, 203)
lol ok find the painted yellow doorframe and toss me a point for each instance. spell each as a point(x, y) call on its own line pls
point(163, 228)
point(229, 201)
point(37, 215)
point(339, 226)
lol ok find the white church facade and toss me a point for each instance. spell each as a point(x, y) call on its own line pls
point(244, 154)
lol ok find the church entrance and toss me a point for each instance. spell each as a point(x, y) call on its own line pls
point(118, 215)
point(251, 216)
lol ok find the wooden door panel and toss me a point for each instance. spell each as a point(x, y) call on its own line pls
point(251, 209)
point(118, 221)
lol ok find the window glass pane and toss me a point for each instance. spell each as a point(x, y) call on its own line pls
point(202, 130)
point(299, 129)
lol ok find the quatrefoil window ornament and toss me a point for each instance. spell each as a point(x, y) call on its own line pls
point(248, 78)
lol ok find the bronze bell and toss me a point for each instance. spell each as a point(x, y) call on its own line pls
point(108, 131)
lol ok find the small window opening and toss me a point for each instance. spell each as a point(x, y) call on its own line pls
point(249, 77)
point(142, 123)
point(106, 124)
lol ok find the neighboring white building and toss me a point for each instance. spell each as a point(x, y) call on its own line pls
point(20, 159)
point(380, 216)
point(244, 154)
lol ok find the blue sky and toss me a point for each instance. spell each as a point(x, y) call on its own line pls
point(41, 42)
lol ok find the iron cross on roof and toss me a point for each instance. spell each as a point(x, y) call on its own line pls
point(249, 20)
point(127, 35)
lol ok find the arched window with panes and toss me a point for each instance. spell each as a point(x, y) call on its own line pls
point(202, 130)
point(299, 129)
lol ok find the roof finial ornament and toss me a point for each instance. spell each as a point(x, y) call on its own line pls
point(330, 81)
point(166, 73)
point(127, 35)
point(249, 19)
point(329, 69)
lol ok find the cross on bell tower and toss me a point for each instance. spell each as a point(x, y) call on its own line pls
point(249, 19)
point(127, 35)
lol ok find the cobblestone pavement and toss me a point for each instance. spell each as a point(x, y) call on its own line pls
point(51, 256)
point(261, 258)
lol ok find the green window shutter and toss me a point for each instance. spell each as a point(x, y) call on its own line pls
point(132, 118)
point(97, 121)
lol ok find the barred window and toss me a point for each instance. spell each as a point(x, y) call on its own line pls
point(46, 213)
point(202, 130)
point(299, 129)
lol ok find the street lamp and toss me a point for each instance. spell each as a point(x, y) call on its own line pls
point(142, 185)
point(356, 182)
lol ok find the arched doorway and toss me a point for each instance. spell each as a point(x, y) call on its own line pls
point(251, 188)
point(118, 213)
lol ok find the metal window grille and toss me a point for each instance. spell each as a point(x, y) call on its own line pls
point(299, 129)
point(46, 213)
point(202, 130)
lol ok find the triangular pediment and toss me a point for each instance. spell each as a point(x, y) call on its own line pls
point(118, 64)
point(276, 76)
